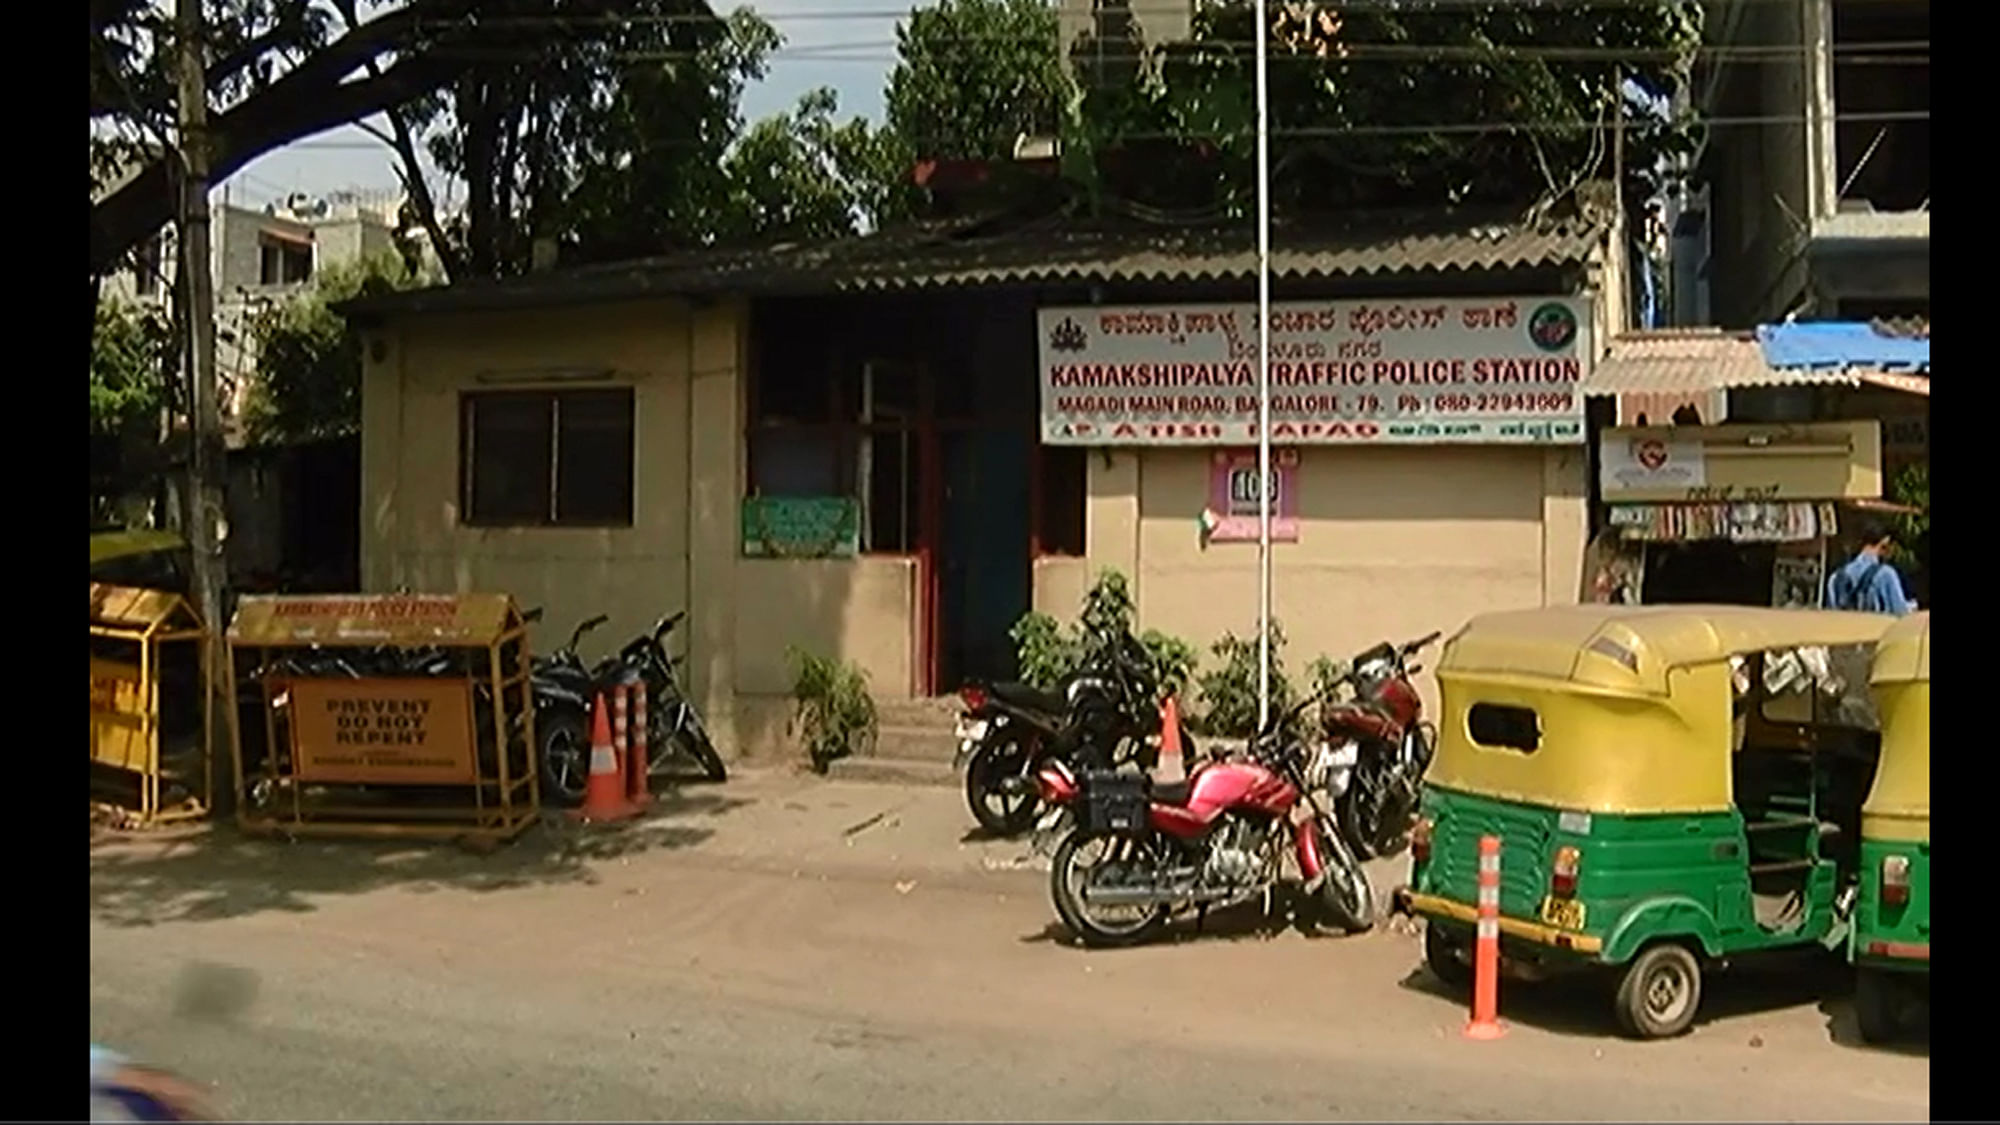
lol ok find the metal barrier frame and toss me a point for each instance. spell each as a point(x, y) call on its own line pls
point(497, 806)
point(150, 619)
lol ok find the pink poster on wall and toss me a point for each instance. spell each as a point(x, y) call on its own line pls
point(1232, 516)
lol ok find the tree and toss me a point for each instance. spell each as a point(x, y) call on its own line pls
point(973, 76)
point(131, 354)
point(805, 175)
point(282, 70)
point(1380, 106)
point(132, 357)
point(611, 146)
point(308, 382)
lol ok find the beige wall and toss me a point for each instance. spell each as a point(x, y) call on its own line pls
point(1394, 542)
point(681, 365)
point(858, 609)
point(1059, 586)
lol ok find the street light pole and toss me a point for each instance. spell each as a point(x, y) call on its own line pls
point(1265, 492)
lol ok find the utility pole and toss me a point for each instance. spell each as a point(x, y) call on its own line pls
point(203, 493)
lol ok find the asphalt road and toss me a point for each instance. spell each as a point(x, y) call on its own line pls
point(784, 948)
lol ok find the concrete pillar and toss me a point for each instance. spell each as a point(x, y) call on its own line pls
point(717, 351)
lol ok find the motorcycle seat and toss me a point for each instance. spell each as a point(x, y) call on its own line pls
point(1029, 698)
point(1170, 792)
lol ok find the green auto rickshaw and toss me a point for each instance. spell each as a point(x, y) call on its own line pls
point(1891, 940)
point(1671, 786)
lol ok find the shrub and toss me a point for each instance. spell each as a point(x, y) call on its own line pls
point(832, 709)
point(1229, 692)
point(1047, 651)
point(1044, 651)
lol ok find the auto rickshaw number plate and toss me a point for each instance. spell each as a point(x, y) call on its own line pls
point(1563, 913)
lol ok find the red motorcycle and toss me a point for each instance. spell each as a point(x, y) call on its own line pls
point(1143, 851)
point(1381, 728)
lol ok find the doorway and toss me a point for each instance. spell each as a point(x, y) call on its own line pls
point(982, 574)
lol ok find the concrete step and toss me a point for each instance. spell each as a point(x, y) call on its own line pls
point(894, 771)
point(921, 744)
point(939, 712)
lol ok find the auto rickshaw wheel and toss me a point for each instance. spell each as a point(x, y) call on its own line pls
point(1441, 957)
point(1875, 1005)
point(1660, 992)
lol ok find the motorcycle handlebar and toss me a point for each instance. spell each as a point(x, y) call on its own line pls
point(576, 638)
point(667, 624)
point(1422, 642)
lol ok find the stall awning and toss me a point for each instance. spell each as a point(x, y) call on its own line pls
point(1692, 361)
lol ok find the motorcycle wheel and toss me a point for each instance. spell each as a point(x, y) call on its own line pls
point(1067, 873)
point(695, 744)
point(564, 755)
point(1372, 840)
point(998, 813)
point(1346, 899)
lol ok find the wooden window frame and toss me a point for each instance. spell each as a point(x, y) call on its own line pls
point(552, 395)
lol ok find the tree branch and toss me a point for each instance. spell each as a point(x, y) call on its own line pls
point(270, 120)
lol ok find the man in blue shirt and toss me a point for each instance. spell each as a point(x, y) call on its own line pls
point(1868, 582)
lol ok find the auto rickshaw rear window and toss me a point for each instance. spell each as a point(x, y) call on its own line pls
point(1504, 726)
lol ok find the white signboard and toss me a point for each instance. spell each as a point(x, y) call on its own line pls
point(1640, 464)
point(1500, 370)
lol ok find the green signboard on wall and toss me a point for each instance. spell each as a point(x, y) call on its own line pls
point(801, 527)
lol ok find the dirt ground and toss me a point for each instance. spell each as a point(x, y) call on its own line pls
point(788, 948)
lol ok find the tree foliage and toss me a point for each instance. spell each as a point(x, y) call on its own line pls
point(282, 70)
point(131, 356)
point(807, 175)
point(973, 76)
point(308, 383)
point(1378, 106)
point(612, 144)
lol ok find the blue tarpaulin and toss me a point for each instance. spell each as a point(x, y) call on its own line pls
point(1842, 345)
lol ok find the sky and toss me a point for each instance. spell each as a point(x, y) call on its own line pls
point(845, 44)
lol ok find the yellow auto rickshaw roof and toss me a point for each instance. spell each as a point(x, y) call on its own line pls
point(108, 545)
point(1903, 655)
point(1622, 649)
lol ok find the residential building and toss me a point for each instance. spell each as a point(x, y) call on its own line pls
point(887, 450)
point(1812, 195)
point(260, 255)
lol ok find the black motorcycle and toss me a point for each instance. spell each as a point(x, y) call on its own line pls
point(1104, 716)
point(565, 690)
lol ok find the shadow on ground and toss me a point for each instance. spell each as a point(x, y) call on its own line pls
point(1842, 1028)
point(1581, 1005)
point(1289, 911)
point(222, 873)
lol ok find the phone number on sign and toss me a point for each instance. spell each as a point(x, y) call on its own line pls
point(1526, 402)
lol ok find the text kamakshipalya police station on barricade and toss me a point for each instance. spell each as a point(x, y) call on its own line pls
point(1493, 370)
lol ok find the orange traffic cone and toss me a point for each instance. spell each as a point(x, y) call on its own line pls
point(604, 794)
point(1171, 767)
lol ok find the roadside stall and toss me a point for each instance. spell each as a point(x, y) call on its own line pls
point(1739, 514)
point(396, 715)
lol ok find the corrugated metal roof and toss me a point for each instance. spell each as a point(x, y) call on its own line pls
point(933, 257)
point(1222, 254)
point(1688, 361)
point(1842, 345)
point(1694, 360)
